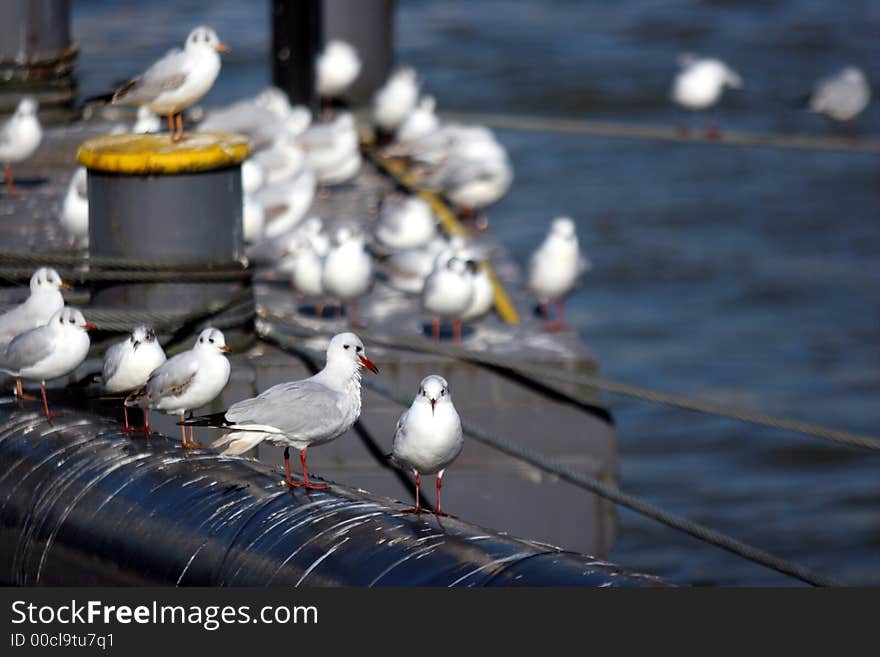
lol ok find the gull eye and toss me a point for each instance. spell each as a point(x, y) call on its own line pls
point(61, 320)
point(442, 392)
point(211, 340)
point(345, 346)
point(359, 349)
point(201, 340)
point(72, 320)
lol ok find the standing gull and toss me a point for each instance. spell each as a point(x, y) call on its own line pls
point(20, 136)
point(336, 68)
point(554, 268)
point(448, 293)
point(699, 84)
point(44, 301)
point(48, 352)
point(187, 381)
point(299, 414)
point(841, 97)
point(128, 365)
point(348, 270)
point(178, 80)
point(428, 436)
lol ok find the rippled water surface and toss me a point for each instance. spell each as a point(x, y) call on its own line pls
point(748, 276)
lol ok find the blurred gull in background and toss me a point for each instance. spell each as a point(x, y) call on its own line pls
point(699, 84)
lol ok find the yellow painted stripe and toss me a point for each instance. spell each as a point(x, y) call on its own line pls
point(156, 154)
point(397, 169)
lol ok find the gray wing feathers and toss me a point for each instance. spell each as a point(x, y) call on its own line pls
point(112, 360)
point(173, 377)
point(289, 407)
point(167, 74)
point(26, 350)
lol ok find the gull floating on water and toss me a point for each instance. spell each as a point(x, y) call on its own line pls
point(43, 302)
point(187, 381)
point(428, 437)
point(20, 137)
point(699, 84)
point(299, 414)
point(48, 352)
point(176, 81)
point(129, 363)
point(841, 97)
point(554, 268)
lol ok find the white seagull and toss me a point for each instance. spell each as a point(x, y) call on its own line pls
point(405, 223)
point(348, 270)
point(187, 381)
point(841, 97)
point(48, 352)
point(554, 268)
point(299, 414)
point(178, 80)
point(428, 436)
point(336, 68)
point(20, 136)
point(448, 293)
point(420, 123)
point(75, 208)
point(699, 84)
point(129, 363)
point(394, 101)
point(44, 301)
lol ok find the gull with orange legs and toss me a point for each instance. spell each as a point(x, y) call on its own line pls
point(128, 365)
point(20, 136)
point(299, 414)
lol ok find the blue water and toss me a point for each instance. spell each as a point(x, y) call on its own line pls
point(743, 275)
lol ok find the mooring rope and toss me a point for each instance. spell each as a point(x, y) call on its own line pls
point(267, 332)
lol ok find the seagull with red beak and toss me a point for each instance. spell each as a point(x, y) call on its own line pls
point(299, 414)
point(428, 436)
point(48, 352)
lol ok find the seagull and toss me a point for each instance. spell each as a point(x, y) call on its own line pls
point(44, 301)
point(448, 293)
point(554, 268)
point(336, 68)
point(128, 365)
point(186, 381)
point(394, 101)
point(428, 436)
point(420, 123)
point(48, 352)
point(20, 136)
point(699, 84)
point(332, 149)
point(484, 294)
point(287, 202)
point(253, 218)
point(75, 208)
point(348, 270)
point(306, 267)
point(178, 80)
point(404, 223)
point(299, 414)
point(262, 119)
point(841, 97)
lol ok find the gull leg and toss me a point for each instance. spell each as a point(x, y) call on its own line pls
point(559, 323)
point(49, 415)
point(418, 507)
point(127, 428)
point(712, 131)
point(179, 127)
point(438, 512)
point(191, 443)
point(22, 395)
point(146, 428)
point(182, 432)
point(287, 478)
point(319, 310)
point(544, 305)
point(10, 182)
point(456, 331)
point(305, 482)
point(435, 328)
point(353, 318)
point(170, 118)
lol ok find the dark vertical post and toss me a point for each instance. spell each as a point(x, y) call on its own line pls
point(296, 41)
point(368, 25)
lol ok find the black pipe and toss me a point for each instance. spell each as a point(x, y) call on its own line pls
point(296, 42)
point(82, 503)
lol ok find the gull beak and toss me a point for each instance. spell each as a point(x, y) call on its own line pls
point(226, 349)
point(89, 326)
point(65, 286)
point(221, 47)
point(369, 365)
point(136, 345)
point(433, 404)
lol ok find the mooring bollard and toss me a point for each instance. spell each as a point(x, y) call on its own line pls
point(36, 55)
point(175, 204)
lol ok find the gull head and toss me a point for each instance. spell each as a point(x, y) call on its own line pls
point(27, 106)
point(434, 390)
point(142, 334)
point(212, 340)
point(46, 278)
point(562, 227)
point(71, 317)
point(348, 348)
point(205, 37)
point(853, 74)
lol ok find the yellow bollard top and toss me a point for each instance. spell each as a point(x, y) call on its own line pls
point(149, 154)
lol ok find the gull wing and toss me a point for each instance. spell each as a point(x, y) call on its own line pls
point(173, 377)
point(167, 74)
point(27, 350)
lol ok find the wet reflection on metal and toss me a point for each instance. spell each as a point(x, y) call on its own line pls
point(82, 503)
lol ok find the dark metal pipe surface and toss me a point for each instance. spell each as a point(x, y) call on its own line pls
point(82, 503)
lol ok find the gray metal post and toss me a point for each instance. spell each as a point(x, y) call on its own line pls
point(368, 25)
point(36, 54)
point(296, 41)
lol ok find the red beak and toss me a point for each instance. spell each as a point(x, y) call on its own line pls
point(369, 365)
point(89, 326)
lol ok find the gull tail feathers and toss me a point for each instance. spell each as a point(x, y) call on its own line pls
point(212, 420)
point(238, 442)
